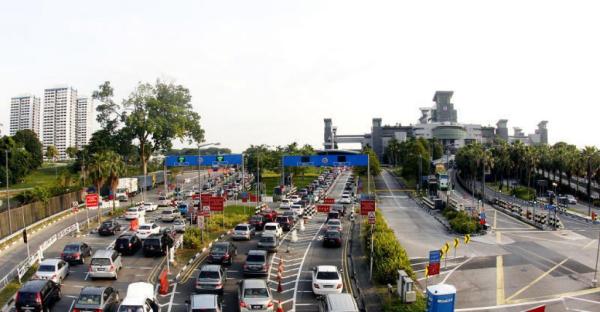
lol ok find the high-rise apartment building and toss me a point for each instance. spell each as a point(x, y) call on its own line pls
point(25, 114)
point(83, 121)
point(59, 125)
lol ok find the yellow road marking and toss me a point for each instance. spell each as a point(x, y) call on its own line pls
point(498, 237)
point(536, 280)
point(499, 280)
point(495, 218)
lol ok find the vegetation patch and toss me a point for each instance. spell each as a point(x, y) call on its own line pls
point(461, 222)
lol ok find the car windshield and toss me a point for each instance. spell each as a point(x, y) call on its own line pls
point(71, 248)
point(46, 268)
point(165, 212)
point(107, 224)
point(100, 261)
point(256, 293)
point(152, 241)
point(89, 299)
point(333, 222)
point(270, 228)
point(241, 228)
point(26, 296)
point(219, 248)
point(256, 218)
point(267, 239)
point(130, 308)
point(255, 258)
point(145, 227)
point(208, 274)
point(327, 275)
point(332, 234)
point(132, 209)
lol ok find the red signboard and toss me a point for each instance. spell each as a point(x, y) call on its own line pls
point(323, 208)
point(329, 201)
point(206, 211)
point(367, 205)
point(205, 199)
point(195, 196)
point(92, 201)
point(541, 308)
point(433, 269)
point(216, 203)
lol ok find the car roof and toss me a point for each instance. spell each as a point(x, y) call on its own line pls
point(244, 224)
point(93, 290)
point(257, 252)
point(221, 244)
point(78, 244)
point(155, 235)
point(204, 301)
point(327, 268)
point(126, 235)
point(254, 283)
point(272, 223)
point(210, 267)
point(50, 261)
point(343, 302)
point(103, 253)
point(139, 290)
point(33, 286)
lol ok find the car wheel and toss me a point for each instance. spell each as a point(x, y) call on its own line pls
point(58, 294)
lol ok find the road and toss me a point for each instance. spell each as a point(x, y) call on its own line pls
point(512, 268)
point(298, 259)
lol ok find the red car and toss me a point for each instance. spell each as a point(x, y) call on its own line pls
point(269, 214)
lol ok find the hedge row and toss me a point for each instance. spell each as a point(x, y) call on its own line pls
point(461, 222)
point(389, 255)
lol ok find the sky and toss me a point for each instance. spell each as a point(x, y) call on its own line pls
point(268, 72)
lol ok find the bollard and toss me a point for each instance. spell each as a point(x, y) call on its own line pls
point(279, 306)
point(134, 224)
point(302, 227)
point(279, 287)
point(164, 283)
point(294, 236)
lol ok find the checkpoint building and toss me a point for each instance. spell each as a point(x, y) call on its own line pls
point(437, 122)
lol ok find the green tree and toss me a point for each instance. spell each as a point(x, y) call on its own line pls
point(108, 111)
point(51, 152)
point(392, 152)
point(31, 143)
point(19, 161)
point(71, 151)
point(114, 168)
point(375, 166)
point(158, 114)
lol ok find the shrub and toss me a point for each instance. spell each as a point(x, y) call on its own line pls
point(461, 222)
point(191, 238)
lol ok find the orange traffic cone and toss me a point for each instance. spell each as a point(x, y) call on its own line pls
point(279, 287)
point(279, 306)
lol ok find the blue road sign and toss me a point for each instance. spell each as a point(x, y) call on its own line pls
point(326, 160)
point(549, 207)
point(435, 256)
point(204, 160)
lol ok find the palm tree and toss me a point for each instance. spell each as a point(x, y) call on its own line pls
point(114, 168)
point(96, 171)
point(590, 158)
point(71, 151)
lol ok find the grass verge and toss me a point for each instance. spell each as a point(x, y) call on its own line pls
point(13, 286)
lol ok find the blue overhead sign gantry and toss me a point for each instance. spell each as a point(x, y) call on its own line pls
point(326, 160)
point(204, 160)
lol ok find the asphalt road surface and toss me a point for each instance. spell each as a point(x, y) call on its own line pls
point(512, 268)
point(298, 258)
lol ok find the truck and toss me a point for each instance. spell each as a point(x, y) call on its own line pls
point(126, 188)
point(443, 181)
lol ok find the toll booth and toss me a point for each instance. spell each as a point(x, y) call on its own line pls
point(441, 298)
point(405, 288)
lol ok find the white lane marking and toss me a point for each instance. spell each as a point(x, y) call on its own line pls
point(454, 269)
point(87, 274)
point(72, 304)
point(302, 264)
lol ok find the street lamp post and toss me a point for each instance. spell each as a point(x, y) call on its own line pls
point(200, 186)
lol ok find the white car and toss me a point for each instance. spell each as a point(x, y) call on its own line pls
point(163, 201)
point(295, 198)
point(297, 209)
point(189, 194)
point(179, 225)
point(150, 206)
point(55, 270)
point(326, 279)
point(170, 214)
point(134, 213)
point(285, 204)
point(334, 224)
point(345, 199)
point(140, 298)
point(147, 229)
point(273, 228)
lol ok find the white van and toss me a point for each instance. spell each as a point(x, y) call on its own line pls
point(140, 298)
point(343, 302)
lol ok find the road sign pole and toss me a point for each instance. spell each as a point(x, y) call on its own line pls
point(371, 265)
point(369, 175)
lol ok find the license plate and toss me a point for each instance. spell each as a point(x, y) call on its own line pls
point(256, 307)
point(100, 269)
point(328, 286)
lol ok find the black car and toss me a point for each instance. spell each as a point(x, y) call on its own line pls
point(332, 238)
point(76, 252)
point(128, 244)
point(155, 245)
point(110, 227)
point(258, 222)
point(37, 295)
point(222, 252)
point(286, 223)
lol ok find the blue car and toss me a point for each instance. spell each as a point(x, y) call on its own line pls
point(183, 209)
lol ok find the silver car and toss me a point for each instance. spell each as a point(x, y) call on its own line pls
point(255, 296)
point(243, 231)
point(211, 279)
point(179, 225)
point(106, 263)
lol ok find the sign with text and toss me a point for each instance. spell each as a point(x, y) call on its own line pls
point(92, 201)
point(205, 199)
point(323, 208)
point(329, 201)
point(433, 269)
point(204, 160)
point(371, 217)
point(217, 203)
point(206, 211)
point(326, 160)
point(366, 205)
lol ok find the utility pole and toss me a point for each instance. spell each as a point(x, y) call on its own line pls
point(588, 186)
point(83, 174)
point(420, 173)
point(7, 195)
point(595, 281)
